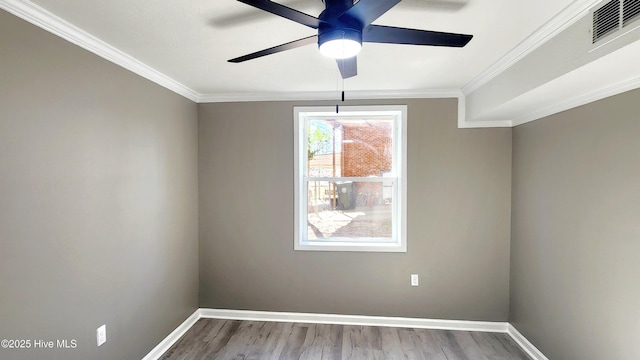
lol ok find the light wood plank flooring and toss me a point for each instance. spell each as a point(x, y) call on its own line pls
point(231, 339)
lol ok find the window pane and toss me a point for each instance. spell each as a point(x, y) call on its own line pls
point(346, 209)
point(324, 144)
point(367, 147)
point(353, 147)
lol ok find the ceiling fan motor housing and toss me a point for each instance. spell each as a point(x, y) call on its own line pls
point(335, 32)
point(333, 26)
point(334, 8)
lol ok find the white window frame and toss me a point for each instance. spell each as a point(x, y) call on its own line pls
point(399, 210)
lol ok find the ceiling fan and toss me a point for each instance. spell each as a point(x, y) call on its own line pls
point(344, 25)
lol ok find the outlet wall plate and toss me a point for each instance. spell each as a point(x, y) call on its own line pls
point(101, 334)
point(415, 281)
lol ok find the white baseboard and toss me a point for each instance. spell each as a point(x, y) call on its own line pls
point(525, 344)
point(171, 339)
point(461, 325)
point(485, 326)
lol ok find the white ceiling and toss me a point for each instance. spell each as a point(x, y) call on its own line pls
point(191, 41)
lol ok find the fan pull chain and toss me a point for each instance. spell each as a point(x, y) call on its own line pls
point(337, 106)
point(338, 86)
point(340, 77)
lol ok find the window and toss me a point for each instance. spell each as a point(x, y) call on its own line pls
point(350, 178)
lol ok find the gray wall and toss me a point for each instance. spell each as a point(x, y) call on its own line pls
point(575, 291)
point(98, 201)
point(459, 188)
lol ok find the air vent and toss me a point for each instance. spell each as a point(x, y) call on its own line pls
point(631, 10)
point(606, 19)
point(614, 15)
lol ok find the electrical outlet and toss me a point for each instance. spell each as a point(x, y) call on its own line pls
point(101, 334)
point(414, 280)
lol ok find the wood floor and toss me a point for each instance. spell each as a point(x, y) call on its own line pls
point(231, 339)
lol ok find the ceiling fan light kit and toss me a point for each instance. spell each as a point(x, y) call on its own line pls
point(342, 28)
point(340, 43)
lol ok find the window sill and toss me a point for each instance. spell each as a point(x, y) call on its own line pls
point(350, 246)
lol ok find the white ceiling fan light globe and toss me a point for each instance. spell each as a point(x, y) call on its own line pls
point(340, 48)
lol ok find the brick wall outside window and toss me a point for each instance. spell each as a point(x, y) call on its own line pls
point(367, 150)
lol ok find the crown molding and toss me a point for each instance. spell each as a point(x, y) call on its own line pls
point(360, 95)
point(46, 20)
point(329, 95)
point(485, 124)
point(567, 17)
point(464, 123)
point(571, 103)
